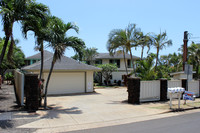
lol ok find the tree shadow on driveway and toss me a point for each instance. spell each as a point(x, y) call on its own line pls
point(56, 110)
point(6, 124)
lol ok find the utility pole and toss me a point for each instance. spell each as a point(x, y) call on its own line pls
point(185, 41)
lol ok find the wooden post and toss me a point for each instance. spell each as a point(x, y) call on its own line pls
point(163, 89)
point(32, 91)
point(185, 40)
point(134, 90)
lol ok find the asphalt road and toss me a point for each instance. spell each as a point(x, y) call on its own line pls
point(187, 123)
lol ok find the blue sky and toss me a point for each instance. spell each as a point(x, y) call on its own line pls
point(96, 18)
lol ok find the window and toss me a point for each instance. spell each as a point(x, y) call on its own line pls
point(88, 62)
point(117, 62)
point(34, 61)
point(98, 61)
point(130, 65)
point(27, 62)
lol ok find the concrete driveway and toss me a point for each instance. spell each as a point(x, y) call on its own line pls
point(102, 108)
point(105, 107)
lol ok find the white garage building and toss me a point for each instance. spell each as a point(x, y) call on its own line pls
point(69, 76)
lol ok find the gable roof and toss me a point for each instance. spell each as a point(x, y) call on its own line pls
point(38, 55)
point(115, 56)
point(65, 63)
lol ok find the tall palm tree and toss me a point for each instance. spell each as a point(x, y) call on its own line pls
point(160, 41)
point(114, 45)
point(59, 42)
point(39, 27)
point(127, 38)
point(144, 41)
point(16, 11)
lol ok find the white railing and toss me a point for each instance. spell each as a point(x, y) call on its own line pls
point(193, 86)
point(149, 90)
point(19, 84)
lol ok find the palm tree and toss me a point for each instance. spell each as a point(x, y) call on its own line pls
point(144, 41)
point(194, 56)
point(59, 42)
point(114, 45)
point(175, 60)
point(89, 54)
point(17, 11)
point(39, 27)
point(160, 41)
point(145, 68)
point(127, 38)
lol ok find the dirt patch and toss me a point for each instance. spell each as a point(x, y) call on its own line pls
point(7, 98)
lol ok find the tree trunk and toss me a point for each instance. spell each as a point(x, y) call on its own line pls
point(157, 59)
point(125, 62)
point(4, 49)
point(142, 52)
point(47, 83)
point(132, 61)
point(42, 61)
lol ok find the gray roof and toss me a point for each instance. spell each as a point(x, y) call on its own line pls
point(65, 63)
point(38, 56)
point(115, 56)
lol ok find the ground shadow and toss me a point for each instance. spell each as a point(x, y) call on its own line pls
point(88, 93)
point(119, 102)
point(54, 112)
point(5, 124)
point(2, 97)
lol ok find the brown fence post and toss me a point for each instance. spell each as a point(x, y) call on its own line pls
point(184, 84)
point(163, 89)
point(32, 92)
point(133, 90)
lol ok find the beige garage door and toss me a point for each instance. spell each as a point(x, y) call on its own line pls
point(66, 83)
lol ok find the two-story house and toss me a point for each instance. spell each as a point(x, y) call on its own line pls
point(118, 59)
point(37, 57)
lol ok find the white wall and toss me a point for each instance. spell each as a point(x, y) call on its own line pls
point(149, 90)
point(117, 75)
point(174, 83)
point(105, 61)
point(19, 84)
point(89, 81)
point(120, 71)
point(193, 86)
point(122, 64)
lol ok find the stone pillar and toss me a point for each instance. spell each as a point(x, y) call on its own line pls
point(184, 83)
point(32, 92)
point(163, 89)
point(133, 90)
